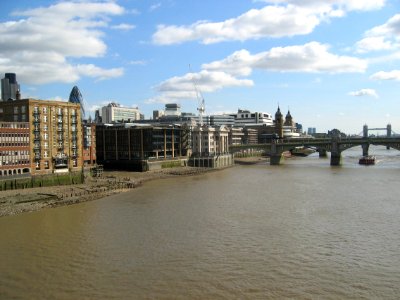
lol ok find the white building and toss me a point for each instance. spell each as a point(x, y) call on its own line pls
point(172, 109)
point(247, 118)
point(209, 141)
point(113, 112)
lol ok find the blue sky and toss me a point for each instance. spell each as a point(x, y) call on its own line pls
point(333, 63)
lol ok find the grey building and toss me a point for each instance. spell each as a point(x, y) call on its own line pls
point(9, 87)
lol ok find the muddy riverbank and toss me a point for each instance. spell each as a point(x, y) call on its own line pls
point(26, 200)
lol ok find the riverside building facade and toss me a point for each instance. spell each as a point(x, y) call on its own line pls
point(134, 146)
point(14, 148)
point(55, 133)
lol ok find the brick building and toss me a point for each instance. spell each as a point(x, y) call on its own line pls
point(55, 135)
point(14, 148)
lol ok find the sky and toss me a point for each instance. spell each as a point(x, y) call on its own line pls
point(332, 63)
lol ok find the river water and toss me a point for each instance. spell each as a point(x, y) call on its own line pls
point(301, 230)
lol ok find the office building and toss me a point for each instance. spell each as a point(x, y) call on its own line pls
point(9, 87)
point(132, 146)
point(113, 113)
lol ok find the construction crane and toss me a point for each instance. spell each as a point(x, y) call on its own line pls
point(200, 99)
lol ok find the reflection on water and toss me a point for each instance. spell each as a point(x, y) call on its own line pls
point(300, 230)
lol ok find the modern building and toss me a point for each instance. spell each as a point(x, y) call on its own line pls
point(157, 114)
point(172, 109)
point(14, 148)
point(132, 146)
point(114, 112)
point(220, 120)
point(9, 87)
point(247, 118)
point(311, 130)
point(55, 135)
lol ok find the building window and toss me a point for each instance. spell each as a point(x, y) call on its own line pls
point(46, 164)
point(15, 109)
point(45, 110)
point(23, 109)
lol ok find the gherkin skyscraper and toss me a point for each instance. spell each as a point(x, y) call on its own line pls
point(76, 97)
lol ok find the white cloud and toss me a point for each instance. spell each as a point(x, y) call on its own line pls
point(391, 75)
point(155, 6)
point(382, 37)
point(364, 92)
point(124, 26)
point(183, 88)
point(38, 46)
point(312, 58)
point(290, 18)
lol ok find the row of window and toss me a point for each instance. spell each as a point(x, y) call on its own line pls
point(14, 125)
point(14, 162)
point(21, 152)
point(14, 144)
point(58, 110)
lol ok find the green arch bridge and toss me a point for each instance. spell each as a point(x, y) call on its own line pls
point(334, 145)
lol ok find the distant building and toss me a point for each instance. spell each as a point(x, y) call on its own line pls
point(311, 130)
point(247, 118)
point(172, 109)
point(114, 112)
point(219, 120)
point(9, 87)
point(55, 135)
point(14, 148)
point(157, 114)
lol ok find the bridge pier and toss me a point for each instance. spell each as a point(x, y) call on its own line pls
point(322, 153)
point(336, 159)
point(336, 154)
point(365, 148)
point(276, 159)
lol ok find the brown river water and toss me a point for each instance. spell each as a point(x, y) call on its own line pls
point(303, 230)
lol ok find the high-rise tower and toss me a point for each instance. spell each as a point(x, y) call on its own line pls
point(9, 87)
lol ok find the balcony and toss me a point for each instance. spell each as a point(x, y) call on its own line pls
point(74, 146)
point(36, 147)
point(59, 129)
point(37, 156)
point(36, 129)
point(74, 155)
point(36, 138)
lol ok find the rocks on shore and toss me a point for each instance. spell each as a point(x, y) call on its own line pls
point(17, 201)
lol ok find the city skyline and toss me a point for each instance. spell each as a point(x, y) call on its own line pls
point(334, 64)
